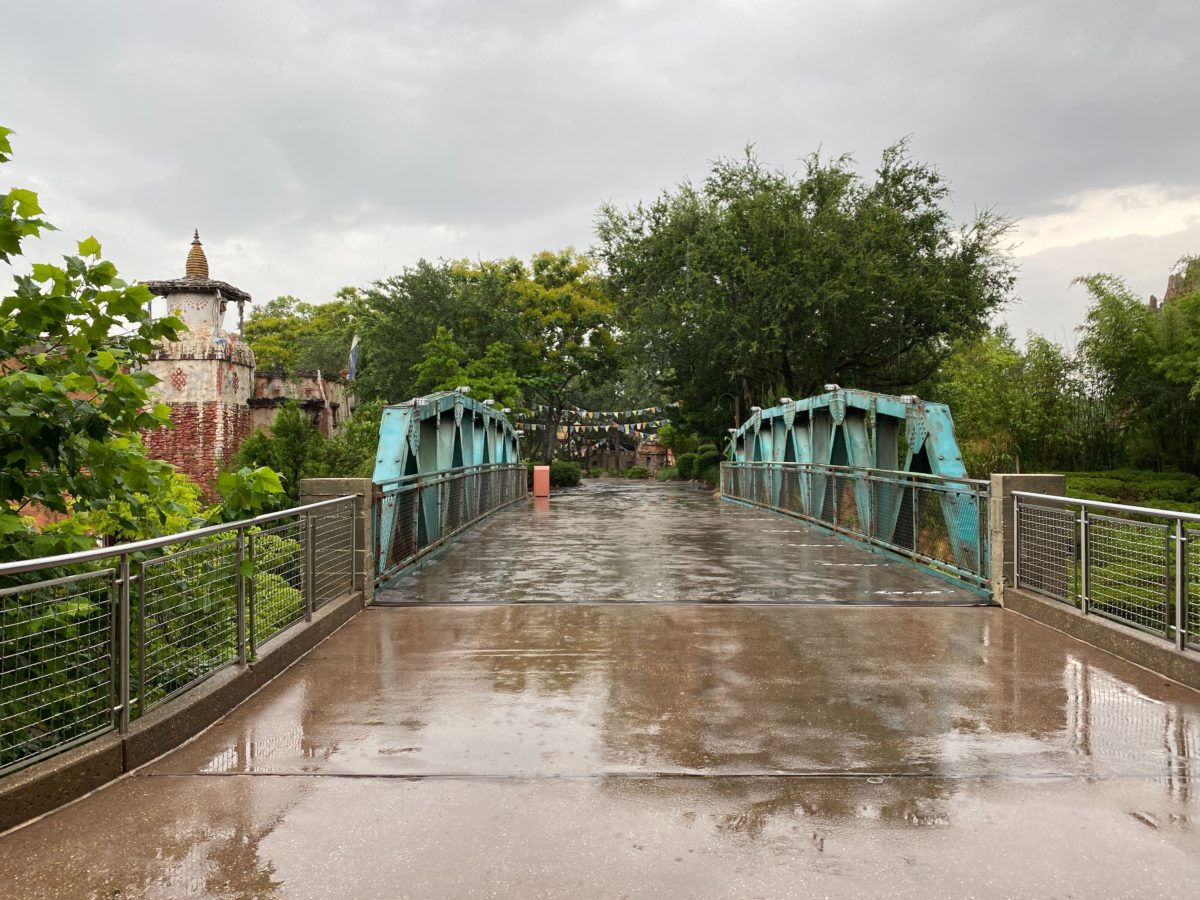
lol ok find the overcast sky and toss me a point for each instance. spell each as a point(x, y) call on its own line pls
point(318, 144)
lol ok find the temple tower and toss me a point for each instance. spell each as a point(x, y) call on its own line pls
point(206, 377)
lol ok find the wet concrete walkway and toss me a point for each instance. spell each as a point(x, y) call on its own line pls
point(613, 540)
point(659, 750)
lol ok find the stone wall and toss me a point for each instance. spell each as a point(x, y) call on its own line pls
point(323, 397)
point(205, 435)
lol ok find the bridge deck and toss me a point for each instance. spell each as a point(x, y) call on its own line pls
point(622, 541)
point(659, 749)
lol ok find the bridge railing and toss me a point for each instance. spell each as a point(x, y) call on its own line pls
point(90, 641)
point(415, 515)
point(939, 522)
point(1134, 564)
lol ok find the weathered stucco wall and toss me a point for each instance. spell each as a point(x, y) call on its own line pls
point(322, 396)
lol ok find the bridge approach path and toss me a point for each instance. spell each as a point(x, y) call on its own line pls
point(810, 720)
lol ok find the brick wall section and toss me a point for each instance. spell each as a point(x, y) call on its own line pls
point(205, 436)
point(208, 380)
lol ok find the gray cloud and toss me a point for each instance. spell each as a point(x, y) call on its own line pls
point(321, 144)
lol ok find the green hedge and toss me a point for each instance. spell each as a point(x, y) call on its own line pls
point(707, 459)
point(562, 473)
point(686, 464)
point(1138, 487)
point(637, 472)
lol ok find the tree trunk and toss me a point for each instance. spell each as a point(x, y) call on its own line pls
point(551, 434)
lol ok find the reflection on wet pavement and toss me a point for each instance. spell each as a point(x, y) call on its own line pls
point(619, 540)
point(625, 749)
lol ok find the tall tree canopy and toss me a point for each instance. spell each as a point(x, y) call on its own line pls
point(566, 323)
point(1146, 363)
point(1022, 409)
point(523, 334)
point(295, 336)
point(758, 283)
point(403, 313)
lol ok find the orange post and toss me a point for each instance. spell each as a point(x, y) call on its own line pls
point(541, 481)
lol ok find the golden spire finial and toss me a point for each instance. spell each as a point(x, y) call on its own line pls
point(197, 262)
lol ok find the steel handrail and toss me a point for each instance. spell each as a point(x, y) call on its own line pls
point(19, 567)
point(446, 474)
point(981, 483)
point(1116, 507)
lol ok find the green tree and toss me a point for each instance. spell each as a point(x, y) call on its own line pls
point(444, 368)
point(512, 333)
point(568, 342)
point(1143, 362)
point(295, 336)
point(1004, 401)
point(440, 367)
point(73, 393)
point(294, 448)
point(351, 452)
point(402, 314)
point(757, 283)
point(492, 376)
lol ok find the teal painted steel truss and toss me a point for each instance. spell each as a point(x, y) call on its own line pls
point(438, 467)
point(867, 432)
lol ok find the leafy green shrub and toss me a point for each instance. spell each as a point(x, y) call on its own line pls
point(564, 474)
point(707, 459)
point(707, 448)
point(686, 464)
point(667, 473)
point(637, 472)
point(1138, 487)
point(711, 476)
point(278, 605)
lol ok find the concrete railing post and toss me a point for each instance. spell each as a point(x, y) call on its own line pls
point(1001, 521)
point(363, 489)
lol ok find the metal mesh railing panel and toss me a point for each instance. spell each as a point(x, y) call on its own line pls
point(485, 490)
point(400, 510)
point(934, 536)
point(1047, 550)
point(846, 511)
point(1129, 571)
point(761, 491)
point(455, 490)
point(57, 681)
point(276, 597)
point(333, 553)
point(824, 497)
point(412, 516)
point(196, 603)
point(790, 498)
point(939, 522)
point(951, 525)
point(892, 504)
point(1192, 588)
point(188, 601)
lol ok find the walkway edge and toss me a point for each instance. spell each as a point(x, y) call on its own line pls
point(1121, 641)
point(49, 784)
